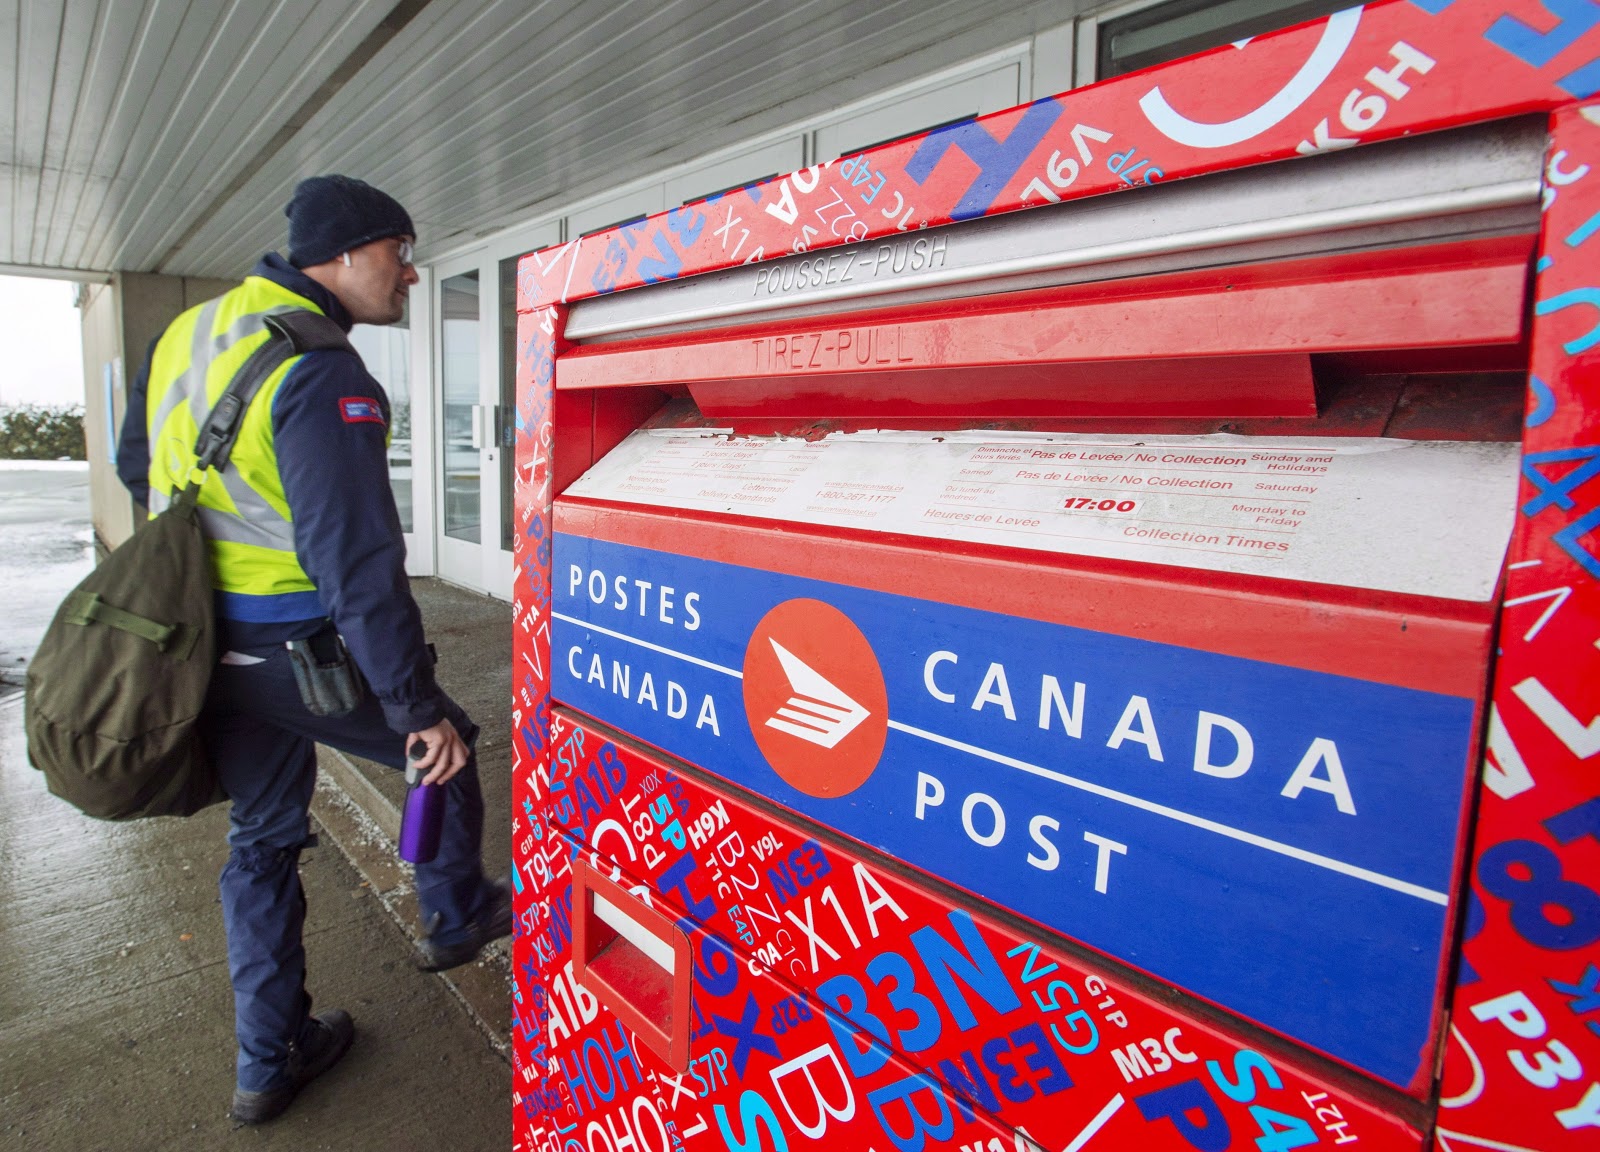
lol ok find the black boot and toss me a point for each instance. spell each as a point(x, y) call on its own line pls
point(493, 922)
point(328, 1039)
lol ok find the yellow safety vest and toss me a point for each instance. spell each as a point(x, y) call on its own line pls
point(243, 511)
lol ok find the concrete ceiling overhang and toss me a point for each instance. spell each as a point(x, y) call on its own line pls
point(166, 135)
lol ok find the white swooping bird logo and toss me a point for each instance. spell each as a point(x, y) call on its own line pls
point(818, 712)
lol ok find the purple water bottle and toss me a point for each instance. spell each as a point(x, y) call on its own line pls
point(423, 819)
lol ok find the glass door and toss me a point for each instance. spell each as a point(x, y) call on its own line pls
point(468, 497)
point(475, 305)
point(386, 352)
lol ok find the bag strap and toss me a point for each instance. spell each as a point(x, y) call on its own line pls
point(85, 608)
point(292, 334)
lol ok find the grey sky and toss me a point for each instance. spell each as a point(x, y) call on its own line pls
point(40, 331)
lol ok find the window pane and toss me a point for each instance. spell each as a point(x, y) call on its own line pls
point(1184, 27)
point(387, 354)
point(459, 343)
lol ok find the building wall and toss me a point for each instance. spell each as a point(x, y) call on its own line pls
point(109, 505)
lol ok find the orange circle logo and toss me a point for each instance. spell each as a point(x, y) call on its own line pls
point(814, 696)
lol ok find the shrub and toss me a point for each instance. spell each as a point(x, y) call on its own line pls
point(34, 432)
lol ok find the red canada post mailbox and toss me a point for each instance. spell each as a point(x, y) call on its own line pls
point(1115, 674)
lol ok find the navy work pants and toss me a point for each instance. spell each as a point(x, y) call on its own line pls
point(260, 737)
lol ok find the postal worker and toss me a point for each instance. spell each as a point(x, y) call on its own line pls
point(307, 549)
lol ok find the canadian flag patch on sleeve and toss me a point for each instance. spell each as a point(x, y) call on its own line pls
point(361, 410)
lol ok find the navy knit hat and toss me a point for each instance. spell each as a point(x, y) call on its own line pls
point(333, 214)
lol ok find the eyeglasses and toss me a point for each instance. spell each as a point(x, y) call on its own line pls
point(405, 253)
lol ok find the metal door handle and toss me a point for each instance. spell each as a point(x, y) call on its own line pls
point(635, 960)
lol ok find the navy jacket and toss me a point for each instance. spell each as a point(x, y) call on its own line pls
point(347, 533)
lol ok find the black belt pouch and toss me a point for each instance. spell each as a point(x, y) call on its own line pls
point(330, 683)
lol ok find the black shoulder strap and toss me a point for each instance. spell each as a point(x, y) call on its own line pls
point(308, 331)
point(292, 334)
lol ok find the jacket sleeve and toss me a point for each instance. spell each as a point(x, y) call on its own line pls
point(330, 423)
point(133, 443)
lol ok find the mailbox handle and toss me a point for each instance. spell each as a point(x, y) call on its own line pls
point(635, 959)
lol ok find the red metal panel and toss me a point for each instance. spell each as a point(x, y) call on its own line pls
point(619, 412)
point(590, 423)
point(1361, 394)
point(1220, 386)
point(1184, 344)
point(572, 424)
point(1523, 1064)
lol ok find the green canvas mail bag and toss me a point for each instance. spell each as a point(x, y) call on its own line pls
point(115, 690)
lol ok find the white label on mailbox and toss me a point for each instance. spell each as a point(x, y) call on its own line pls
point(1426, 517)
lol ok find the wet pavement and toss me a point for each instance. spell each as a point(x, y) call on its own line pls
point(116, 1021)
point(46, 546)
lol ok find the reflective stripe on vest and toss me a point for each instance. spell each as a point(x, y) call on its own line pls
point(243, 511)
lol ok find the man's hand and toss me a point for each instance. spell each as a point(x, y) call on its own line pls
point(447, 752)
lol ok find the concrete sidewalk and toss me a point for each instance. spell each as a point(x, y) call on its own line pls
point(116, 1020)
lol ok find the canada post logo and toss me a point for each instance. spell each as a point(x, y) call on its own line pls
point(815, 699)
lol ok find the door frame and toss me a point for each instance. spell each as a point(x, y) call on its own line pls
point(485, 566)
point(420, 550)
point(501, 568)
point(459, 561)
